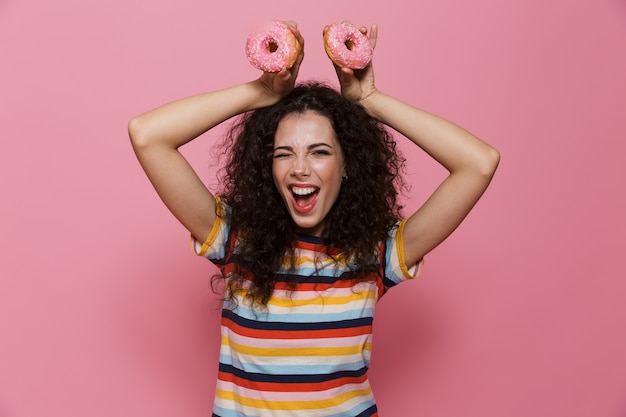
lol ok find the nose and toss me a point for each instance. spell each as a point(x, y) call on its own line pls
point(300, 167)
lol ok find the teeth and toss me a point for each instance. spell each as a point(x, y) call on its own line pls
point(302, 190)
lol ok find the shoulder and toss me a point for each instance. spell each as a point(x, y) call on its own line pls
point(395, 265)
point(219, 235)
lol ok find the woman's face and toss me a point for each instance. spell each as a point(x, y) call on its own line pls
point(308, 167)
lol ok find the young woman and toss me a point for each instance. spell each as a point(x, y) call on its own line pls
point(307, 231)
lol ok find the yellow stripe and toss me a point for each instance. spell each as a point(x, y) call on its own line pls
point(400, 245)
point(341, 259)
point(321, 300)
point(401, 259)
point(296, 351)
point(292, 405)
point(215, 229)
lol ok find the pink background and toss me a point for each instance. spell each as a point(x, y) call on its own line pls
point(104, 311)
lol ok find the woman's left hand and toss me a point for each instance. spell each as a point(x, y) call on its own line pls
point(358, 85)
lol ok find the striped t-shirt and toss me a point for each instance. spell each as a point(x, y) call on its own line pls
point(307, 352)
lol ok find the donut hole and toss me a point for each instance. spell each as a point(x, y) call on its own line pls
point(272, 47)
point(349, 44)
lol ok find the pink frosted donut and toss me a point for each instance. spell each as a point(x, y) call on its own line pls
point(346, 46)
point(272, 48)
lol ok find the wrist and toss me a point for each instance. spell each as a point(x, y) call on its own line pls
point(261, 95)
point(371, 103)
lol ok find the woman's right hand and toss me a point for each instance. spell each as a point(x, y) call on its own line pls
point(281, 83)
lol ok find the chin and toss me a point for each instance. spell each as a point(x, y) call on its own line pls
point(315, 229)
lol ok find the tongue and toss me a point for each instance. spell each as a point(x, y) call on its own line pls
point(304, 200)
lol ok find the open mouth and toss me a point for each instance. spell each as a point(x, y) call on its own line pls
point(304, 197)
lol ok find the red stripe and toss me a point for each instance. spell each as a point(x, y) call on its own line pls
point(319, 248)
point(319, 286)
point(295, 334)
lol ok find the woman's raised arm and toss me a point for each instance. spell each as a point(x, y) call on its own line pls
point(470, 161)
point(157, 134)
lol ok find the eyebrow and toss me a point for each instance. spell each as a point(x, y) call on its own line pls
point(311, 146)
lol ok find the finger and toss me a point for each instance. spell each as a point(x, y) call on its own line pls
point(293, 27)
point(284, 75)
point(299, 57)
point(283, 82)
point(347, 74)
point(347, 78)
point(295, 68)
point(338, 69)
point(374, 35)
point(350, 87)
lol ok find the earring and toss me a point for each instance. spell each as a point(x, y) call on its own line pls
point(344, 179)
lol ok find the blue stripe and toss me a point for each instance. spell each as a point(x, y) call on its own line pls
point(253, 315)
point(223, 412)
point(368, 412)
point(302, 326)
point(388, 283)
point(310, 275)
point(271, 369)
point(364, 313)
point(316, 240)
point(283, 378)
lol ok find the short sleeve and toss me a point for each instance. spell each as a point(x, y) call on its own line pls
point(395, 268)
point(214, 247)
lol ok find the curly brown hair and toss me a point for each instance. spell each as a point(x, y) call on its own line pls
point(362, 215)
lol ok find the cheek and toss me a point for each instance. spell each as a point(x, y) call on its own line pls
point(333, 171)
point(277, 174)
